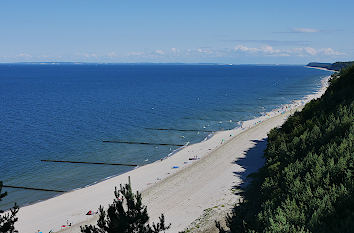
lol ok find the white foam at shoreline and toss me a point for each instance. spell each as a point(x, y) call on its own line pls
point(144, 177)
point(287, 107)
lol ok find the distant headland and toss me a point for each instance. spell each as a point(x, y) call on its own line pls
point(337, 66)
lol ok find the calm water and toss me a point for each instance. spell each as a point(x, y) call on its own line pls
point(63, 112)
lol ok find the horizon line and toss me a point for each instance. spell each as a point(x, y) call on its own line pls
point(150, 63)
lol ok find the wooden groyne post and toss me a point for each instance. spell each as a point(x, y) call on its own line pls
point(181, 130)
point(142, 143)
point(30, 188)
point(82, 162)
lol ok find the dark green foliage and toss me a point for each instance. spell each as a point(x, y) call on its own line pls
point(127, 214)
point(7, 220)
point(319, 64)
point(306, 184)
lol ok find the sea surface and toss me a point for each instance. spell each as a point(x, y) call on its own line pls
point(65, 111)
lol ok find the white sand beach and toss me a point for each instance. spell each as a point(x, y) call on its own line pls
point(191, 195)
point(320, 68)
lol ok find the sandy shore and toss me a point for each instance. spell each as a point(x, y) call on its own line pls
point(320, 68)
point(191, 195)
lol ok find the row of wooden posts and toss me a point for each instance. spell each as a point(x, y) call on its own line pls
point(41, 189)
point(102, 163)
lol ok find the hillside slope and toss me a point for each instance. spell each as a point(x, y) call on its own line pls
point(306, 184)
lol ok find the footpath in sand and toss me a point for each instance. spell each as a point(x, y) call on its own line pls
point(192, 195)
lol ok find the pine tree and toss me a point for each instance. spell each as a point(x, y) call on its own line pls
point(306, 184)
point(127, 214)
point(7, 220)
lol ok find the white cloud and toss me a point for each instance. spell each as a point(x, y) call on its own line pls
point(87, 55)
point(300, 51)
point(136, 54)
point(245, 49)
point(204, 50)
point(264, 49)
point(330, 51)
point(207, 52)
point(270, 50)
point(305, 30)
point(310, 50)
point(23, 55)
point(111, 54)
point(159, 52)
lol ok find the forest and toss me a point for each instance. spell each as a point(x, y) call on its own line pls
point(306, 184)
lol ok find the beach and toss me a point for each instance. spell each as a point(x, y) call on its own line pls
point(190, 193)
point(320, 68)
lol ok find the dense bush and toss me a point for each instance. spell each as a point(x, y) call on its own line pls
point(306, 184)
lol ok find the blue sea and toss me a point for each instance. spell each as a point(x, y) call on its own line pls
point(65, 111)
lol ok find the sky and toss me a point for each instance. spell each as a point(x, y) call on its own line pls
point(183, 31)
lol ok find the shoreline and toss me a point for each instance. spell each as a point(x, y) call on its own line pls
point(157, 177)
point(321, 68)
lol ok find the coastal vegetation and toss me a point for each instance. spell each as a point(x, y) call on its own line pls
point(126, 214)
point(337, 66)
point(306, 184)
point(8, 219)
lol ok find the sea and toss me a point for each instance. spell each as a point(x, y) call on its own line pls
point(64, 111)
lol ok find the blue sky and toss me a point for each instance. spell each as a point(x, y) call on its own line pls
point(223, 31)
